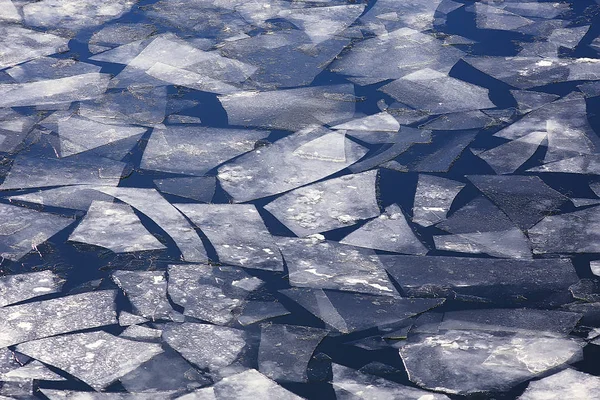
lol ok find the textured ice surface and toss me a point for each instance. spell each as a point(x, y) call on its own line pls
point(249, 385)
point(20, 44)
point(508, 157)
point(20, 287)
point(201, 188)
point(54, 394)
point(381, 122)
point(256, 311)
point(33, 370)
point(147, 292)
point(433, 199)
point(77, 197)
point(44, 68)
point(569, 384)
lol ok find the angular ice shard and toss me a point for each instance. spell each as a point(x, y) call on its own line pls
point(567, 384)
point(438, 93)
point(115, 227)
point(35, 320)
point(390, 232)
point(97, 358)
point(196, 150)
point(45, 68)
point(575, 232)
point(459, 121)
point(328, 205)
point(20, 287)
point(256, 311)
point(20, 44)
point(127, 319)
point(147, 292)
point(33, 370)
point(296, 160)
point(586, 164)
point(489, 17)
point(206, 346)
point(201, 188)
point(285, 351)
point(354, 385)
point(508, 157)
point(529, 100)
point(136, 332)
point(22, 230)
point(315, 263)
point(525, 199)
point(238, 234)
point(464, 362)
point(495, 280)
point(55, 394)
point(433, 199)
point(250, 385)
point(339, 309)
point(77, 197)
point(121, 33)
point(291, 109)
point(381, 122)
point(445, 149)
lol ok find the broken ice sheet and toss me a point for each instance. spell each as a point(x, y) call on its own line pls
point(55, 394)
point(567, 384)
point(34, 370)
point(250, 385)
point(293, 161)
point(490, 17)
point(20, 287)
point(196, 150)
point(354, 385)
point(327, 205)
point(381, 122)
point(30, 321)
point(77, 197)
point(115, 227)
point(508, 157)
point(141, 333)
point(585, 164)
point(238, 234)
point(121, 33)
point(445, 149)
point(256, 311)
point(201, 188)
point(390, 232)
point(316, 263)
point(459, 121)
point(285, 351)
point(433, 199)
point(97, 358)
point(20, 44)
point(127, 319)
point(386, 15)
point(44, 68)
point(147, 292)
point(530, 100)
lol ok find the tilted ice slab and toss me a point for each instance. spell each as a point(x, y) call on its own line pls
point(390, 232)
point(196, 150)
point(327, 205)
point(20, 287)
point(585, 164)
point(530, 100)
point(508, 157)
point(256, 311)
point(77, 197)
point(45, 68)
point(238, 234)
point(443, 152)
point(433, 199)
point(147, 292)
point(315, 263)
point(30, 321)
point(22, 230)
point(490, 17)
point(115, 227)
point(20, 44)
point(381, 122)
point(34, 370)
point(199, 188)
point(97, 358)
point(567, 384)
point(296, 160)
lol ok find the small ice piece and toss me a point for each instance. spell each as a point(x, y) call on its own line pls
point(250, 385)
point(459, 121)
point(17, 389)
point(354, 385)
point(508, 157)
point(199, 188)
point(320, 264)
point(20, 44)
point(595, 267)
point(34, 370)
point(585, 164)
point(567, 384)
point(291, 109)
point(22, 230)
point(127, 319)
point(136, 332)
point(339, 309)
point(433, 199)
point(296, 160)
point(496, 280)
point(196, 150)
point(97, 358)
point(285, 351)
point(256, 311)
point(525, 199)
point(20, 287)
point(583, 202)
point(381, 122)
point(206, 346)
point(30, 321)
point(115, 227)
point(529, 100)
point(147, 292)
point(209, 293)
point(77, 197)
point(238, 234)
point(55, 394)
point(576, 232)
point(465, 362)
point(438, 93)
point(327, 205)
point(489, 17)
point(390, 232)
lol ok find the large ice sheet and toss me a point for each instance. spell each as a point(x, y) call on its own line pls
point(147, 292)
point(433, 199)
point(328, 205)
point(20, 287)
point(20, 44)
point(567, 384)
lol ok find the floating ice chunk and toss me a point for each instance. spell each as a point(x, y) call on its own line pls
point(251, 385)
point(585, 164)
point(238, 234)
point(433, 199)
point(207, 393)
point(495, 280)
point(583, 202)
point(525, 199)
point(54, 394)
point(115, 227)
point(285, 351)
point(438, 93)
point(508, 157)
point(256, 311)
point(567, 384)
point(535, 9)
point(386, 15)
point(196, 188)
point(489, 17)
point(127, 319)
point(464, 362)
point(45, 68)
point(35, 320)
point(350, 384)
point(20, 287)
point(330, 265)
point(9, 11)
point(206, 346)
point(33, 370)
point(568, 37)
point(97, 358)
point(20, 44)
point(121, 33)
point(193, 80)
point(528, 100)
point(289, 163)
point(22, 230)
point(576, 232)
point(327, 205)
point(381, 122)
point(196, 150)
point(78, 197)
point(459, 121)
point(444, 150)
point(147, 292)
point(390, 232)
point(291, 109)
point(595, 267)
point(136, 332)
